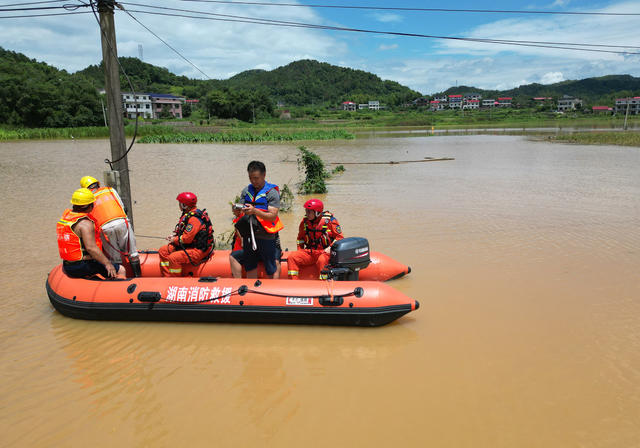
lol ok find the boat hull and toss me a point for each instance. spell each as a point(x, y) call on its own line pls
point(359, 303)
point(381, 268)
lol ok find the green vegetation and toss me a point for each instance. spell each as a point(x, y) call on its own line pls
point(79, 132)
point(298, 97)
point(314, 171)
point(246, 136)
point(286, 199)
point(296, 84)
point(36, 94)
point(600, 138)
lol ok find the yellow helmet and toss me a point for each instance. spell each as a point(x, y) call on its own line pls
point(83, 196)
point(88, 180)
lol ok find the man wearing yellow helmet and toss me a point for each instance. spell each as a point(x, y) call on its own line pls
point(112, 224)
point(79, 247)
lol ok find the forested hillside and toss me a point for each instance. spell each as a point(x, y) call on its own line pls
point(312, 82)
point(36, 94)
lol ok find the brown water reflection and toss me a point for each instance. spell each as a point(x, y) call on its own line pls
point(525, 260)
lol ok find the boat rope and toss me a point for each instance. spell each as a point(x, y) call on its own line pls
point(242, 290)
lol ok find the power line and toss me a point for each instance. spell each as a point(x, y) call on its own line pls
point(38, 8)
point(389, 8)
point(45, 15)
point(260, 21)
point(164, 42)
point(33, 3)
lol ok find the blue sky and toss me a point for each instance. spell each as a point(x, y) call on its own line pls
point(222, 49)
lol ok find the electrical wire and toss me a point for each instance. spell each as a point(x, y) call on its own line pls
point(390, 8)
point(45, 15)
point(33, 3)
point(259, 20)
point(164, 42)
point(135, 100)
point(241, 19)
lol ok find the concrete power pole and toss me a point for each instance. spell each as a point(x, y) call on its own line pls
point(114, 102)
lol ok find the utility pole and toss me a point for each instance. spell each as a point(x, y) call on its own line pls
point(114, 102)
point(626, 114)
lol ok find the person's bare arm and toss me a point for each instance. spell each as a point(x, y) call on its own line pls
point(86, 230)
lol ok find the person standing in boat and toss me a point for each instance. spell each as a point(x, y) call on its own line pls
point(318, 230)
point(260, 225)
point(192, 242)
point(78, 242)
point(114, 227)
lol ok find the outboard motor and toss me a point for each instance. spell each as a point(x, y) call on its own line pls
point(348, 256)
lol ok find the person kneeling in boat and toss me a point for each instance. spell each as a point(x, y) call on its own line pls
point(318, 230)
point(192, 242)
point(78, 242)
point(113, 224)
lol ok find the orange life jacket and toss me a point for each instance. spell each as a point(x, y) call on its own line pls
point(69, 243)
point(106, 208)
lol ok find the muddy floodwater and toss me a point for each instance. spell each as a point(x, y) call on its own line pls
point(525, 258)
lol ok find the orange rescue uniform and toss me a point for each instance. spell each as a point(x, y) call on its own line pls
point(313, 238)
point(172, 256)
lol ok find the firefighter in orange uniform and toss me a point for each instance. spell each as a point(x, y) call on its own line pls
point(113, 225)
point(317, 232)
point(192, 242)
point(78, 241)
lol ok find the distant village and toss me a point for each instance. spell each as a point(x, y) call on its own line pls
point(474, 101)
point(162, 105)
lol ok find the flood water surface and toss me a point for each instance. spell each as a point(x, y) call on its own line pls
point(525, 258)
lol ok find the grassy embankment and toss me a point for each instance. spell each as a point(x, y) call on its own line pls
point(600, 138)
point(324, 125)
point(169, 134)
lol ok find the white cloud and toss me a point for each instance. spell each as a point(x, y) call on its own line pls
point(220, 49)
point(387, 18)
point(551, 78)
point(384, 47)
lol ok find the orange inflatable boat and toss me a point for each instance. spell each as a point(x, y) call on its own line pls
point(381, 267)
point(211, 299)
point(207, 296)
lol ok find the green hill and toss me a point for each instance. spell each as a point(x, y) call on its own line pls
point(311, 82)
point(299, 83)
point(34, 94)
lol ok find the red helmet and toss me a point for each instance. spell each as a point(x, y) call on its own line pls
point(314, 204)
point(187, 198)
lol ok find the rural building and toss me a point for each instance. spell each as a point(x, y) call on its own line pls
point(455, 101)
point(602, 109)
point(632, 103)
point(164, 101)
point(568, 103)
point(471, 104)
point(489, 102)
point(505, 101)
point(348, 105)
point(437, 105)
point(138, 105)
